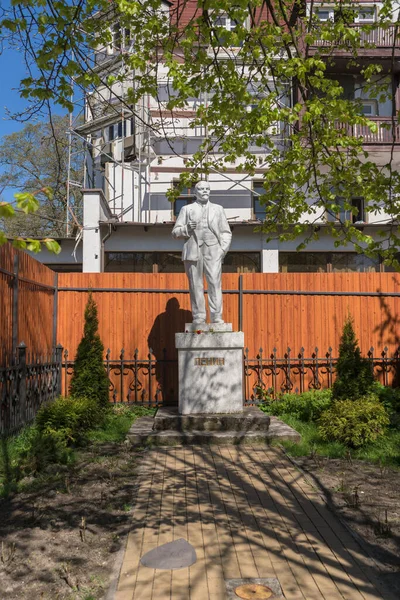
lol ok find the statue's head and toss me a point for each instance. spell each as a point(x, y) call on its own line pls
point(202, 191)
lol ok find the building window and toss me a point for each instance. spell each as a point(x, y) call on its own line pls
point(120, 39)
point(128, 262)
point(327, 262)
point(143, 262)
point(303, 262)
point(186, 197)
point(366, 14)
point(324, 14)
point(168, 262)
point(258, 208)
point(344, 262)
point(224, 22)
point(242, 262)
point(369, 108)
point(171, 262)
point(356, 215)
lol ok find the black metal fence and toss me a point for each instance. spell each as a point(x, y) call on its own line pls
point(25, 385)
point(298, 373)
point(153, 381)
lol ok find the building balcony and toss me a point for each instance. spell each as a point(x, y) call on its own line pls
point(386, 133)
point(371, 41)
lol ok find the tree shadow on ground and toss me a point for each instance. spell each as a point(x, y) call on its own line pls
point(389, 333)
point(249, 502)
point(68, 519)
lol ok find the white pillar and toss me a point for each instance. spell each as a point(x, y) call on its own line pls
point(95, 210)
point(270, 261)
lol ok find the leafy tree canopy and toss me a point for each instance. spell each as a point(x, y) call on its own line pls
point(35, 161)
point(244, 74)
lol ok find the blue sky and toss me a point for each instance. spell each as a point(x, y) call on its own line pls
point(12, 70)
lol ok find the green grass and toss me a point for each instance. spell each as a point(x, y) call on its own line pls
point(117, 423)
point(385, 450)
point(20, 454)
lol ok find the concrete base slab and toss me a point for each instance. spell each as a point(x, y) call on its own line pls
point(210, 327)
point(249, 419)
point(143, 432)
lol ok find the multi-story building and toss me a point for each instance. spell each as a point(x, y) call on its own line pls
point(134, 157)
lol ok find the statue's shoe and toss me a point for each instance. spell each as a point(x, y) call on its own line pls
point(199, 322)
point(218, 321)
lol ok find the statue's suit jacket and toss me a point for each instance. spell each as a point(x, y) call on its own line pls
point(216, 222)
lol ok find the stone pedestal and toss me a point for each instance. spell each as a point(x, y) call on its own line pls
point(210, 367)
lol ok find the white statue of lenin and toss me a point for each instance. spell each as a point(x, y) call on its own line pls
point(208, 237)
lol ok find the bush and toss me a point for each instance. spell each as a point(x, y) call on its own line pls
point(89, 379)
point(390, 398)
point(69, 418)
point(58, 425)
point(354, 375)
point(305, 407)
point(354, 422)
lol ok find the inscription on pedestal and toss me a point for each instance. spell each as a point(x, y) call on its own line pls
point(210, 372)
point(208, 362)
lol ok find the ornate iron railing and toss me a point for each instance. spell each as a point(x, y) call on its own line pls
point(150, 381)
point(371, 36)
point(297, 373)
point(153, 381)
point(27, 384)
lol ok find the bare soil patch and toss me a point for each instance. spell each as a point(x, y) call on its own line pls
point(366, 497)
point(60, 536)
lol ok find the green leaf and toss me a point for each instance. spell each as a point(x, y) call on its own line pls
point(33, 245)
point(27, 202)
point(52, 245)
point(6, 210)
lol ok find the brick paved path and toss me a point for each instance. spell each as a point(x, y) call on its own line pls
point(249, 513)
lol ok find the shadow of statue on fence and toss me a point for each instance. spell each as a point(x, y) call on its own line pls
point(161, 343)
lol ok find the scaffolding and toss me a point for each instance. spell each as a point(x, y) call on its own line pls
point(120, 141)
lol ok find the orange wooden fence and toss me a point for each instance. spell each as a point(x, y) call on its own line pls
point(279, 310)
point(142, 311)
point(26, 303)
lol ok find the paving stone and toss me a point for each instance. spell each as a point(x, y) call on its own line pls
point(173, 555)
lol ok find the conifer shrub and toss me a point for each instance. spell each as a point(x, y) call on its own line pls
point(354, 375)
point(354, 422)
point(89, 379)
point(69, 417)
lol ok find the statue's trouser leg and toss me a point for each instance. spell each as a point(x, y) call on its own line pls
point(194, 272)
point(212, 270)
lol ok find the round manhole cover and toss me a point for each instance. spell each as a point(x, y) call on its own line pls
point(253, 591)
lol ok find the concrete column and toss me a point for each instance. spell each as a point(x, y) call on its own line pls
point(270, 261)
point(95, 210)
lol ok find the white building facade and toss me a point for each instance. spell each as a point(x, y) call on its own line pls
point(132, 161)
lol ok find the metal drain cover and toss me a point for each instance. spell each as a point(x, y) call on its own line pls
point(254, 591)
point(254, 588)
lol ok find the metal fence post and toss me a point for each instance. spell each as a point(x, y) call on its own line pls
point(21, 357)
point(15, 305)
point(59, 351)
point(240, 303)
point(55, 309)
